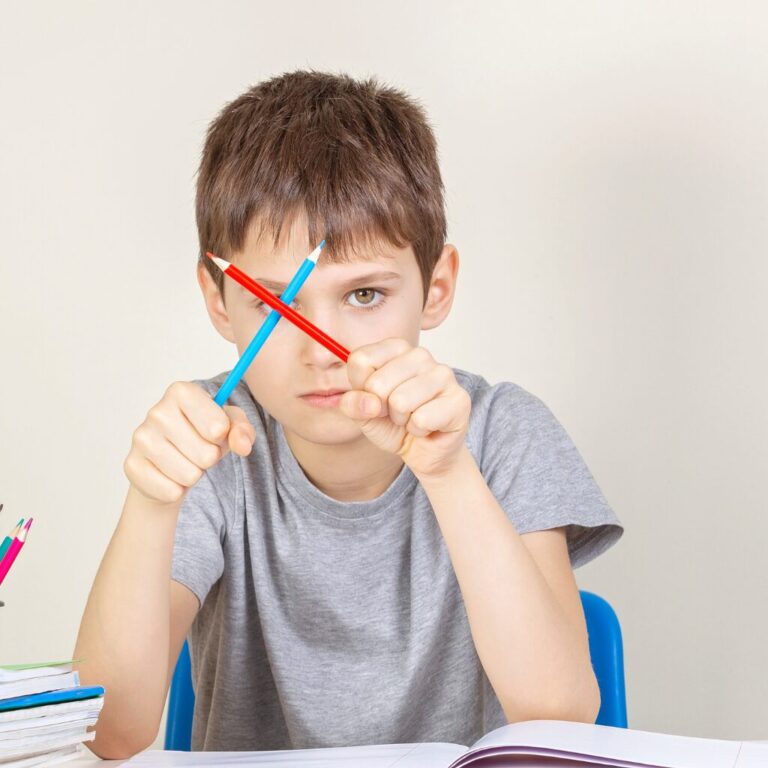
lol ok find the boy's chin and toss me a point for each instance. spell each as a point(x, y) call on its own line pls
point(329, 427)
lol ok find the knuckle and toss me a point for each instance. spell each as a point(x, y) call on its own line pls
point(218, 428)
point(398, 402)
point(141, 438)
point(173, 390)
point(174, 492)
point(211, 455)
point(377, 386)
point(192, 475)
point(156, 415)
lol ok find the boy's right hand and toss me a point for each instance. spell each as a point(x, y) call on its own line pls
point(183, 435)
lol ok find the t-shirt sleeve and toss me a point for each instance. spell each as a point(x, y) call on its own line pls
point(538, 476)
point(205, 518)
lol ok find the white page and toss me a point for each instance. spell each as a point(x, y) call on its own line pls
point(49, 758)
point(90, 706)
point(550, 737)
point(9, 675)
point(41, 731)
point(374, 756)
point(39, 685)
point(46, 745)
point(32, 725)
point(753, 754)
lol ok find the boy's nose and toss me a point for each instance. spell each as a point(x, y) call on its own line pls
point(312, 352)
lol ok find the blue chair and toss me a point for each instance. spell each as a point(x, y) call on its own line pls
point(605, 648)
point(181, 705)
point(607, 653)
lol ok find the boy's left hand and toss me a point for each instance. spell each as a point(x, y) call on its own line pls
point(406, 403)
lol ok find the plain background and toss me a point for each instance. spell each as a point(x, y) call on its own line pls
point(606, 175)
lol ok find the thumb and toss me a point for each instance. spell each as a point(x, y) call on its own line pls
point(241, 434)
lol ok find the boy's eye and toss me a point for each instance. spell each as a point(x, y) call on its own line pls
point(259, 304)
point(364, 297)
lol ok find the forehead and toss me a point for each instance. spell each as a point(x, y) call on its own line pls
point(366, 252)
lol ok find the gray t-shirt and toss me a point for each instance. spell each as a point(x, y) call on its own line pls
point(330, 623)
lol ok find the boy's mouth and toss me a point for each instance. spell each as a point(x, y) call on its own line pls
point(323, 398)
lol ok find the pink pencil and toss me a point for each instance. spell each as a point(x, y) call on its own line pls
point(14, 550)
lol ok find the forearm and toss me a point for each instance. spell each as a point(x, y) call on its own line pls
point(124, 633)
point(535, 657)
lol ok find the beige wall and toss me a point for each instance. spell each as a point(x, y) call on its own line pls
point(607, 180)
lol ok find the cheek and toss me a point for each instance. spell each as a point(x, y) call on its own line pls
point(399, 320)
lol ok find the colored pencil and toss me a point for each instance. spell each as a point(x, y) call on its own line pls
point(269, 298)
point(288, 295)
point(9, 539)
point(14, 550)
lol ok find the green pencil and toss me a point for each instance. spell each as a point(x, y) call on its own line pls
point(9, 539)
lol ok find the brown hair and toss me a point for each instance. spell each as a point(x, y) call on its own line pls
point(358, 159)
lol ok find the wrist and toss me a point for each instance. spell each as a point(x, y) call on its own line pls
point(142, 508)
point(461, 466)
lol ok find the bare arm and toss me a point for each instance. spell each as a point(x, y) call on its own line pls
point(521, 599)
point(133, 627)
point(136, 617)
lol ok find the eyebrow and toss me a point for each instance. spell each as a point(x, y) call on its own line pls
point(371, 277)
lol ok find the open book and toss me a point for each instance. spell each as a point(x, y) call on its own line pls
point(531, 744)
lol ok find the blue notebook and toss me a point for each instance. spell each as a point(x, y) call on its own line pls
point(51, 697)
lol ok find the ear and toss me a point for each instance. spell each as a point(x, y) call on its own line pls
point(442, 288)
point(214, 303)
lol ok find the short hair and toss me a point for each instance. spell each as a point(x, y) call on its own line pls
point(357, 158)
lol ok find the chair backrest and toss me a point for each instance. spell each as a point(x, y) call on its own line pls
point(181, 705)
point(607, 652)
point(605, 648)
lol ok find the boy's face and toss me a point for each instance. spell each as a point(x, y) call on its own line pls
point(359, 302)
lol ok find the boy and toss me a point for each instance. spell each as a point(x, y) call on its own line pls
point(375, 552)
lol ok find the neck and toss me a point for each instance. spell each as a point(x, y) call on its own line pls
point(356, 471)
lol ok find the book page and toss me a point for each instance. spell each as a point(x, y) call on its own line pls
point(435, 755)
point(14, 672)
point(613, 746)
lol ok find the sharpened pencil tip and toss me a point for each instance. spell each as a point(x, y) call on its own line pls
point(220, 263)
point(315, 255)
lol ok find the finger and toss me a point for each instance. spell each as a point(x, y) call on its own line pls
point(152, 483)
point(394, 372)
point(242, 434)
point(205, 415)
point(447, 413)
point(415, 392)
point(201, 452)
point(173, 464)
point(363, 361)
point(360, 406)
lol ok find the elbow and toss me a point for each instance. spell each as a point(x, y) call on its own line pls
point(118, 747)
point(580, 705)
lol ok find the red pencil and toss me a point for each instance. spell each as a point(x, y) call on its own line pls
point(289, 314)
point(14, 550)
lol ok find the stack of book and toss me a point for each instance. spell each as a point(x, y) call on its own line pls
point(45, 714)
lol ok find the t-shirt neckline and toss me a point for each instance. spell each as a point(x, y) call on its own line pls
point(294, 479)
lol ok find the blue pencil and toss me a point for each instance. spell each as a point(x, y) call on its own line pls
point(267, 326)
